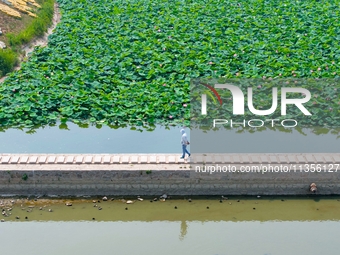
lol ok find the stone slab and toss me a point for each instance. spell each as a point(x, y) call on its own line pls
point(69, 159)
point(310, 158)
point(88, 159)
point(116, 159)
point(152, 159)
point(273, 159)
point(336, 159)
point(245, 159)
point(328, 159)
point(5, 159)
point(172, 159)
point(143, 159)
point(218, 159)
point(301, 159)
point(161, 159)
point(32, 159)
point(236, 159)
point(291, 159)
point(319, 158)
point(134, 159)
point(255, 159)
point(227, 159)
point(283, 159)
point(106, 159)
point(60, 159)
point(97, 159)
point(42, 159)
point(125, 159)
point(51, 159)
point(15, 159)
point(23, 159)
point(264, 159)
point(79, 159)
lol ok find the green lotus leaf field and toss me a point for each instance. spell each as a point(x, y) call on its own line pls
point(130, 62)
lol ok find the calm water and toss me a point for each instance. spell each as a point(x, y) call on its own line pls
point(162, 140)
point(266, 141)
point(91, 140)
point(293, 226)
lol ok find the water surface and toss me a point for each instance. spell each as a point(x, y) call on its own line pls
point(252, 140)
point(91, 140)
point(308, 226)
point(166, 140)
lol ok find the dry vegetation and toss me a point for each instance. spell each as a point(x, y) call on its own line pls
point(14, 7)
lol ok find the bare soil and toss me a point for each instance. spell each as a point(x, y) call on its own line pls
point(14, 25)
point(17, 25)
point(9, 24)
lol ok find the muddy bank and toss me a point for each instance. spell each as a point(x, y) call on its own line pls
point(171, 209)
point(40, 41)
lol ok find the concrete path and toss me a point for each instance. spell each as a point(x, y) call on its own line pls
point(90, 159)
point(154, 161)
point(155, 174)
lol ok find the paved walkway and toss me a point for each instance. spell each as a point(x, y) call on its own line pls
point(152, 174)
point(119, 159)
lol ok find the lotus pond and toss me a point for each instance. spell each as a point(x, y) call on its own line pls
point(239, 225)
point(131, 62)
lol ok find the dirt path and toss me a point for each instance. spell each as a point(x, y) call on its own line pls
point(40, 41)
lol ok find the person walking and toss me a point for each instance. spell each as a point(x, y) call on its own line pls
point(185, 143)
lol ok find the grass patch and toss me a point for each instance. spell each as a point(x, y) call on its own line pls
point(24, 177)
point(37, 28)
point(8, 59)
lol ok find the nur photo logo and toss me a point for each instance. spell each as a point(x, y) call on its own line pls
point(256, 103)
point(238, 102)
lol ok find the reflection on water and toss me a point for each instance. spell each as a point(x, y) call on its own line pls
point(257, 140)
point(71, 138)
point(184, 229)
point(277, 226)
point(74, 139)
point(161, 237)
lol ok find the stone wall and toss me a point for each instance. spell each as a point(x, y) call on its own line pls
point(156, 174)
point(157, 182)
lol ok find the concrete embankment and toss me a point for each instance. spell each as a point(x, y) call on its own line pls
point(155, 174)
